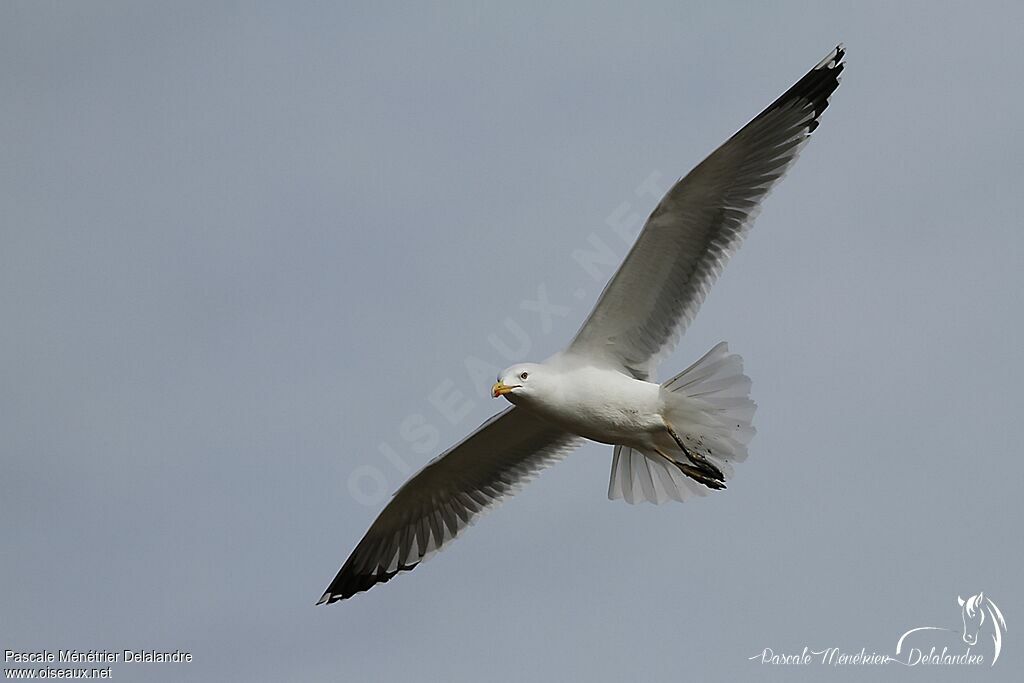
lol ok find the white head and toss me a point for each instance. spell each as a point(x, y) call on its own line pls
point(520, 381)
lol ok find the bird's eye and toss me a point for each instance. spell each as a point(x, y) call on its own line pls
point(524, 375)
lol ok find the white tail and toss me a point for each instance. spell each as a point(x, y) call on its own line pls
point(709, 407)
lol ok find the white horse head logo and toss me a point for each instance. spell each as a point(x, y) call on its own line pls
point(977, 611)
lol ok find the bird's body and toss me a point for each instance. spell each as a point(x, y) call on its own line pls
point(597, 403)
point(673, 440)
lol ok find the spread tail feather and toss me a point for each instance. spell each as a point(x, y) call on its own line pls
point(709, 409)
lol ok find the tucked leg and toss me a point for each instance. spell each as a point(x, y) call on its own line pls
point(699, 461)
point(697, 474)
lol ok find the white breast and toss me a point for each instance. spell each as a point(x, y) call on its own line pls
point(602, 405)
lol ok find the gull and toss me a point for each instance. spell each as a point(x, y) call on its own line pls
point(672, 441)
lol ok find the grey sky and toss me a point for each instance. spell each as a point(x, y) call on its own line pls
point(240, 244)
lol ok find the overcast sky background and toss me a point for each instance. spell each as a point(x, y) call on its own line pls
point(241, 244)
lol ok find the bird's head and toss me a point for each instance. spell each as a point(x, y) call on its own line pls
point(518, 381)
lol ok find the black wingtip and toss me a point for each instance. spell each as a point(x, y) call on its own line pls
point(833, 59)
point(816, 86)
point(348, 582)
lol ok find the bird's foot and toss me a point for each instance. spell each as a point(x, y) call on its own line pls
point(701, 476)
point(699, 461)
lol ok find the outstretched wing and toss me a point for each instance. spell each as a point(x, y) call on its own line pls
point(449, 494)
point(697, 226)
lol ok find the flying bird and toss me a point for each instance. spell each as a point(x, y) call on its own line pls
point(673, 440)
